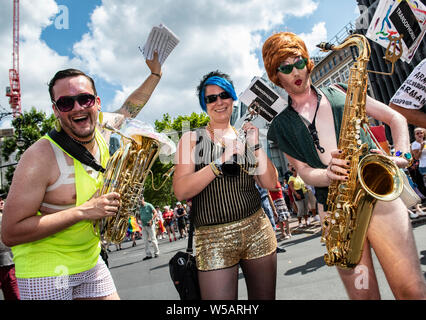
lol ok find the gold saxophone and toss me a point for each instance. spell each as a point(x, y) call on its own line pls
point(374, 177)
point(125, 173)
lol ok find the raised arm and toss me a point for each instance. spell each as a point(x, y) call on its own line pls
point(137, 100)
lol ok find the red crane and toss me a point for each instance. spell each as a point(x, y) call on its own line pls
point(14, 91)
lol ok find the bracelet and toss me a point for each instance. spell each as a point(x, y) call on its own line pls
point(255, 147)
point(406, 155)
point(215, 169)
point(156, 74)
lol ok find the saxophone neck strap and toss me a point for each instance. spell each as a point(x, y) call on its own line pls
point(75, 149)
point(311, 126)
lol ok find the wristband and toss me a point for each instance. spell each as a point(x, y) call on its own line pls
point(156, 74)
point(255, 147)
point(217, 172)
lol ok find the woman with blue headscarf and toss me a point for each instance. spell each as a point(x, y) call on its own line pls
point(219, 172)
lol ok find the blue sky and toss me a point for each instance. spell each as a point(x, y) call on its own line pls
point(102, 37)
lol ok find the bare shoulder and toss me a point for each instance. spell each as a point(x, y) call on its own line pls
point(35, 169)
point(185, 148)
point(188, 140)
point(37, 159)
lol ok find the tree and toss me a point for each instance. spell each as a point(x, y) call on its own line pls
point(174, 128)
point(32, 125)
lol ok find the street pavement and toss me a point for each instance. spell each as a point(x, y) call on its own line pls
point(301, 271)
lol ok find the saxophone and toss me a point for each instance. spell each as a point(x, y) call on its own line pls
point(375, 177)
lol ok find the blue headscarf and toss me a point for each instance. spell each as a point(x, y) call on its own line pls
point(220, 82)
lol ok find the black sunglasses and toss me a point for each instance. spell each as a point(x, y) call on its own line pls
point(288, 68)
point(66, 103)
point(213, 97)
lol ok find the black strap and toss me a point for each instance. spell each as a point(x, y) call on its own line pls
point(311, 126)
point(190, 234)
point(75, 149)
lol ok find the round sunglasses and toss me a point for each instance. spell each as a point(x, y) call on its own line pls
point(288, 68)
point(66, 103)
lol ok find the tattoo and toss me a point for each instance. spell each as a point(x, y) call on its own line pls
point(131, 110)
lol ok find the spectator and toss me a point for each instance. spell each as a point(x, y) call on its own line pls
point(8, 282)
point(282, 211)
point(169, 220)
point(312, 202)
point(268, 206)
point(147, 214)
point(159, 222)
point(133, 228)
point(180, 215)
point(298, 189)
point(419, 153)
point(410, 98)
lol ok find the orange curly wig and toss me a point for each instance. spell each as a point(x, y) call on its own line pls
point(279, 47)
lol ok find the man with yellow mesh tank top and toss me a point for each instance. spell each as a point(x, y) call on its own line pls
point(52, 205)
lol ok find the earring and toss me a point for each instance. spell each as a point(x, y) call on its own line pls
point(101, 117)
point(57, 125)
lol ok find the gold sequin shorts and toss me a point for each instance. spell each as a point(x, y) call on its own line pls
point(224, 245)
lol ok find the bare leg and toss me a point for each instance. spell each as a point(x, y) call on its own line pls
point(219, 284)
point(361, 282)
point(390, 235)
point(261, 277)
point(392, 239)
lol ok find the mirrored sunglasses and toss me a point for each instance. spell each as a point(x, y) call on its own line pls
point(288, 68)
point(66, 103)
point(213, 97)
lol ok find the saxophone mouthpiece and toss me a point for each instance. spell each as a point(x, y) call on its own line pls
point(325, 46)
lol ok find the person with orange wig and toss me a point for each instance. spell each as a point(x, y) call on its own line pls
point(307, 132)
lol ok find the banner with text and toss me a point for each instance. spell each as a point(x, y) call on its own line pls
point(399, 17)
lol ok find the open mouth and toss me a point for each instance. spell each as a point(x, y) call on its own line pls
point(80, 119)
point(298, 82)
point(220, 110)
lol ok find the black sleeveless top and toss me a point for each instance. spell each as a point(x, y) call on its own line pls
point(225, 199)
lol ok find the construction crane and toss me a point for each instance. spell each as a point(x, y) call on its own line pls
point(14, 91)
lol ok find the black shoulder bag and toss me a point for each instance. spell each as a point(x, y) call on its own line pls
point(183, 271)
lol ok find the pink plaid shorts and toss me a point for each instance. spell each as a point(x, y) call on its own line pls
point(93, 283)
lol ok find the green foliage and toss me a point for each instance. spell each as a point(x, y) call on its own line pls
point(174, 128)
point(33, 125)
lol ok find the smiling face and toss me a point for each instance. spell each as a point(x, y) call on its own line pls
point(297, 81)
point(80, 122)
point(219, 111)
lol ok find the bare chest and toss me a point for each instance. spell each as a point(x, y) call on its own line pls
point(324, 124)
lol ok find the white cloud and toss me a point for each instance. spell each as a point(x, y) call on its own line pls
point(219, 34)
point(318, 34)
